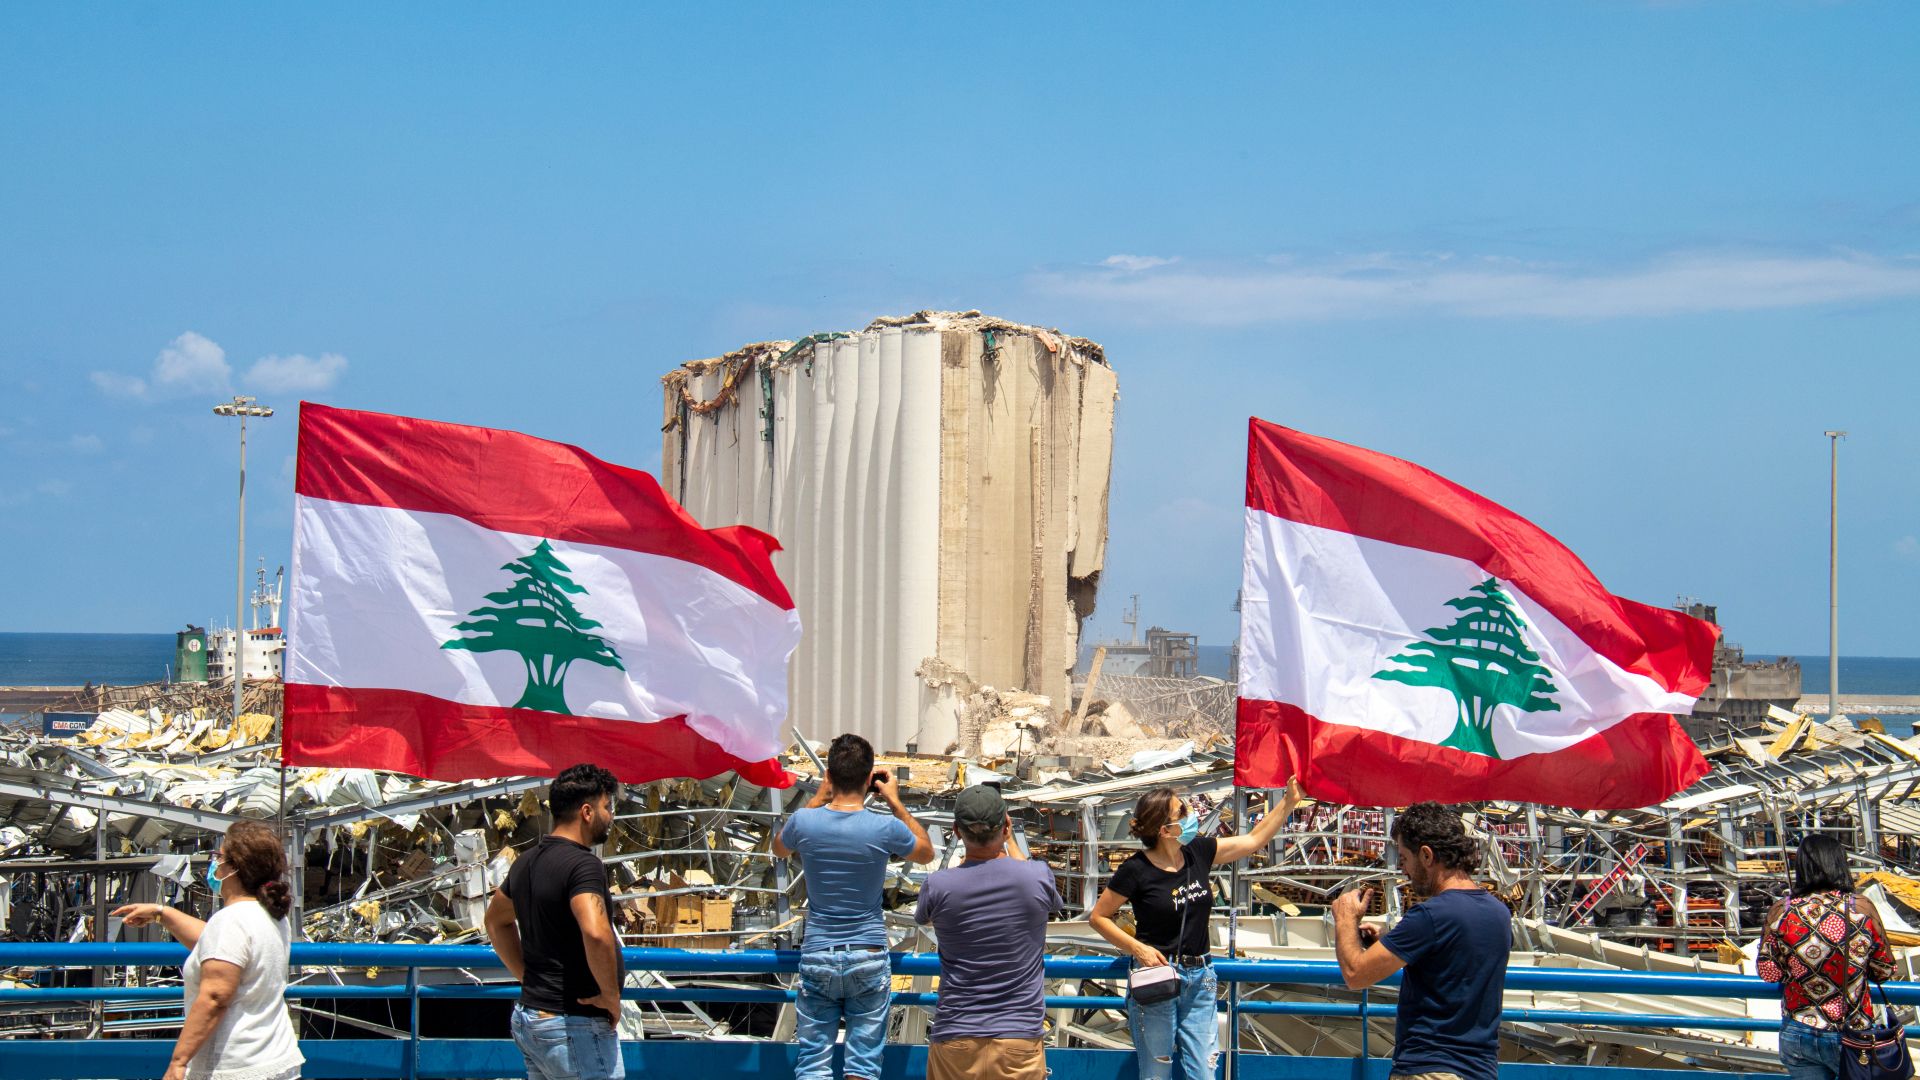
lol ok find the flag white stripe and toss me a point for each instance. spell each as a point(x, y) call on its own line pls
point(1324, 610)
point(377, 591)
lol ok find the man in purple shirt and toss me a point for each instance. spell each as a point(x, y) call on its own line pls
point(989, 915)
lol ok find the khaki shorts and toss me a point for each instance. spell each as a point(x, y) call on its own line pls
point(986, 1059)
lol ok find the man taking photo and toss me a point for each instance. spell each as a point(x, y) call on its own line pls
point(551, 922)
point(844, 850)
point(1453, 946)
point(990, 916)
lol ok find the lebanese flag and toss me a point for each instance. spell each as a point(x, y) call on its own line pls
point(474, 603)
point(1405, 639)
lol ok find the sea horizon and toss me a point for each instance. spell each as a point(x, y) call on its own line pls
point(74, 658)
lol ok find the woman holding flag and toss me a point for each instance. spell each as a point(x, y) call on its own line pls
point(1172, 906)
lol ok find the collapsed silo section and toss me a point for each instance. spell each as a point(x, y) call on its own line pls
point(939, 485)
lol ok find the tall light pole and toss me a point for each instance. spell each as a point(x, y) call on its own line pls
point(1833, 578)
point(241, 407)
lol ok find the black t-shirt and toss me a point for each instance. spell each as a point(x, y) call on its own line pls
point(1160, 897)
point(542, 884)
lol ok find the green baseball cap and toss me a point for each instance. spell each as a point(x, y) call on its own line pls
point(980, 806)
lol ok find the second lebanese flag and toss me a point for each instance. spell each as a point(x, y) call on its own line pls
point(1403, 639)
point(476, 603)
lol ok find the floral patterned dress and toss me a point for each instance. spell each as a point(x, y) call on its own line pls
point(1823, 950)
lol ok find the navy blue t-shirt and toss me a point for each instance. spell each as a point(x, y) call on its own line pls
point(1455, 946)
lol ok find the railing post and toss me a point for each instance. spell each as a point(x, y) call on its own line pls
point(410, 1065)
point(297, 874)
point(1366, 1030)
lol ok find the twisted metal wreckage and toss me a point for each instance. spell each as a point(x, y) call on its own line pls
point(127, 811)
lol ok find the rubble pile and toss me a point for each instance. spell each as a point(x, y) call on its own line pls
point(126, 811)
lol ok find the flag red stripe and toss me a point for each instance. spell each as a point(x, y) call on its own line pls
point(1637, 762)
point(515, 483)
point(445, 740)
point(1332, 485)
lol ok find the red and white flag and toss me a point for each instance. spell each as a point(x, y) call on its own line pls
point(1403, 638)
point(475, 603)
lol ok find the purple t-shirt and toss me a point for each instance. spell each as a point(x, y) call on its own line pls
point(991, 921)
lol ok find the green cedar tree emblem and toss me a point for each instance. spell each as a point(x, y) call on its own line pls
point(535, 616)
point(1483, 660)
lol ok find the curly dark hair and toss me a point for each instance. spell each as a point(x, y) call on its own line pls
point(1431, 825)
point(578, 785)
point(252, 851)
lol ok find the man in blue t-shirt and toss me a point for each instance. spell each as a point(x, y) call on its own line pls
point(1454, 948)
point(990, 915)
point(844, 850)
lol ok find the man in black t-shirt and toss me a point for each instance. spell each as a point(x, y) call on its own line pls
point(1453, 948)
point(551, 922)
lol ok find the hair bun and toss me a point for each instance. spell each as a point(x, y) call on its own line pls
point(277, 897)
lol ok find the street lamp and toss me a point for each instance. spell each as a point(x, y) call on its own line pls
point(241, 407)
point(1833, 579)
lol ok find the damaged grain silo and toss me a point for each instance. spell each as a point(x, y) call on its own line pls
point(939, 484)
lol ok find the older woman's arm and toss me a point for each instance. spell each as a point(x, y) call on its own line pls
point(219, 982)
point(185, 928)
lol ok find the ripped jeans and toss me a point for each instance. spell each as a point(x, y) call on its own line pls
point(1178, 1036)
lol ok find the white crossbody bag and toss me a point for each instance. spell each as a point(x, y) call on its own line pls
point(1153, 985)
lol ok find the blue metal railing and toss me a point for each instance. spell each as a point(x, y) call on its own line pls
point(414, 1057)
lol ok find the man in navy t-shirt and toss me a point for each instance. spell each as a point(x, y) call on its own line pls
point(1453, 948)
point(990, 913)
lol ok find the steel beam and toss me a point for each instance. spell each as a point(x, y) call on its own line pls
point(209, 820)
point(425, 802)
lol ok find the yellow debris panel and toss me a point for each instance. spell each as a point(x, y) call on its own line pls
point(1788, 738)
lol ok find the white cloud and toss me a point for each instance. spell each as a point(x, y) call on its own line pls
point(1364, 286)
point(86, 444)
point(1135, 263)
point(1907, 547)
point(191, 363)
point(296, 374)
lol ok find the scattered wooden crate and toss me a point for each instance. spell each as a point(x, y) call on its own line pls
point(685, 920)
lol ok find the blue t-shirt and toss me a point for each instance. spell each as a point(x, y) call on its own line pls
point(991, 919)
point(1455, 946)
point(845, 855)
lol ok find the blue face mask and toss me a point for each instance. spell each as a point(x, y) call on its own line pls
point(1189, 828)
point(213, 875)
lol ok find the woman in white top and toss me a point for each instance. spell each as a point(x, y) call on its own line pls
point(236, 976)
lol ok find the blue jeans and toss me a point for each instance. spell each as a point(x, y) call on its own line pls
point(1182, 1030)
point(1808, 1052)
point(851, 984)
point(567, 1047)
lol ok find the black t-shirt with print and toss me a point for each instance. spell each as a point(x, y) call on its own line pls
point(1159, 897)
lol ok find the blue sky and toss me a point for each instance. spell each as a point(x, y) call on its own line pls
point(1615, 265)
